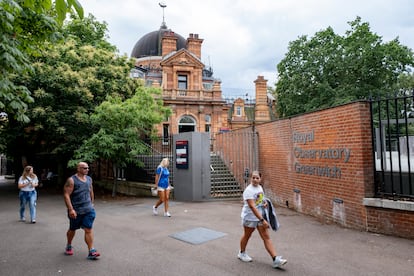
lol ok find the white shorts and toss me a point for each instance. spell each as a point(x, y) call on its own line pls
point(163, 189)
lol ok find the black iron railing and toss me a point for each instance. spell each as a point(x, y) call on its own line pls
point(393, 145)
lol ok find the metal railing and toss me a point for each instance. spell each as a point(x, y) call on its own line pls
point(393, 146)
point(157, 150)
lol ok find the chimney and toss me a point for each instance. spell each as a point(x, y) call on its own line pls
point(194, 44)
point(169, 43)
point(261, 111)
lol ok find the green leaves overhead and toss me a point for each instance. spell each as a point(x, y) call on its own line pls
point(68, 79)
point(26, 25)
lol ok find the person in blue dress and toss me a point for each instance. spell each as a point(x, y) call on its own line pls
point(162, 183)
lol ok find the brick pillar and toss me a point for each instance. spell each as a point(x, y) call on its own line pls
point(194, 44)
point(261, 111)
point(169, 43)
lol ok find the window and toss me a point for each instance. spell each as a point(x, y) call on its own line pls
point(238, 111)
point(207, 86)
point(182, 82)
point(208, 118)
point(165, 134)
point(208, 122)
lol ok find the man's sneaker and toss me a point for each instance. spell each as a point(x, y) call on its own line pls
point(244, 257)
point(69, 250)
point(167, 214)
point(154, 210)
point(93, 254)
point(22, 220)
point(279, 261)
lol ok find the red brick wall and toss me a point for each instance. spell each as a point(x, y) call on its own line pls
point(391, 222)
point(337, 197)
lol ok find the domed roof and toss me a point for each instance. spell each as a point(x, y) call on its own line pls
point(150, 44)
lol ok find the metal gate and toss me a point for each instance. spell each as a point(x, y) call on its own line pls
point(239, 152)
point(393, 146)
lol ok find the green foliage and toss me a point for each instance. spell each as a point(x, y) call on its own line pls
point(122, 126)
point(69, 79)
point(329, 69)
point(68, 82)
point(65, 6)
point(405, 84)
point(89, 31)
point(25, 26)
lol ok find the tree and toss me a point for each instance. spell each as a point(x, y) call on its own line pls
point(329, 69)
point(89, 31)
point(122, 127)
point(69, 79)
point(25, 26)
point(405, 84)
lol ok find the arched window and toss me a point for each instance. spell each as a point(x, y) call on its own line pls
point(186, 124)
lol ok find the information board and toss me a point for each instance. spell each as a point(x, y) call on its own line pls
point(181, 154)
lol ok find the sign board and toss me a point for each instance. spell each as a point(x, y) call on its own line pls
point(181, 154)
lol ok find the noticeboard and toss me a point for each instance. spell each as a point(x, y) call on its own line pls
point(181, 154)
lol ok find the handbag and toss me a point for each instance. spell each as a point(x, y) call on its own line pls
point(154, 190)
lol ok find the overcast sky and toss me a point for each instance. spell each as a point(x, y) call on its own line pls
point(244, 39)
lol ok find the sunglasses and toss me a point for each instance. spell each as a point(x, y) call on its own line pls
point(85, 168)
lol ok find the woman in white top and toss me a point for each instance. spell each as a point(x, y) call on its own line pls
point(27, 185)
point(252, 218)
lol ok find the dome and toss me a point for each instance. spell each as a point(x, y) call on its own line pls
point(150, 44)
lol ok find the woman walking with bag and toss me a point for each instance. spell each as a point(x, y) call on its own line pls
point(253, 218)
point(162, 175)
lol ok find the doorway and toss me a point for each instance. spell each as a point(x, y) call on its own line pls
point(186, 124)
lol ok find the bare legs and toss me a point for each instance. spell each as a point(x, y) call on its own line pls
point(245, 238)
point(164, 197)
point(88, 237)
point(264, 234)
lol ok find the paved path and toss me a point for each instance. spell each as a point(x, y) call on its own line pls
point(134, 242)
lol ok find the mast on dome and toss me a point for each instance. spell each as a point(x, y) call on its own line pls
point(163, 6)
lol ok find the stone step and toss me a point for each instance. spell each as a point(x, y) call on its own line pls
point(223, 183)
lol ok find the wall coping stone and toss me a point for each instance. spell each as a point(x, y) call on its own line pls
point(389, 204)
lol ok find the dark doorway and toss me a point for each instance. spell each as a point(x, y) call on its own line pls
point(185, 128)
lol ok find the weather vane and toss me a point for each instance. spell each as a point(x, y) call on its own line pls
point(163, 6)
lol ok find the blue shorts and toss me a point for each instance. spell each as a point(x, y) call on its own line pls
point(82, 221)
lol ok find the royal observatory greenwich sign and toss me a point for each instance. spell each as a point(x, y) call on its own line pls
point(303, 155)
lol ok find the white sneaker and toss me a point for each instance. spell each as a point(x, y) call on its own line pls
point(244, 257)
point(154, 210)
point(278, 262)
point(167, 214)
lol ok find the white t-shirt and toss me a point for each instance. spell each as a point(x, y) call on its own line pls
point(255, 193)
point(28, 188)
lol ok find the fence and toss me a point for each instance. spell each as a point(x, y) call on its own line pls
point(393, 146)
point(239, 151)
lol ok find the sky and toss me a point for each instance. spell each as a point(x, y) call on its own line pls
point(245, 39)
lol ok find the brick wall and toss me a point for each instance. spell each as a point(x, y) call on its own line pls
point(390, 222)
point(321, 164)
